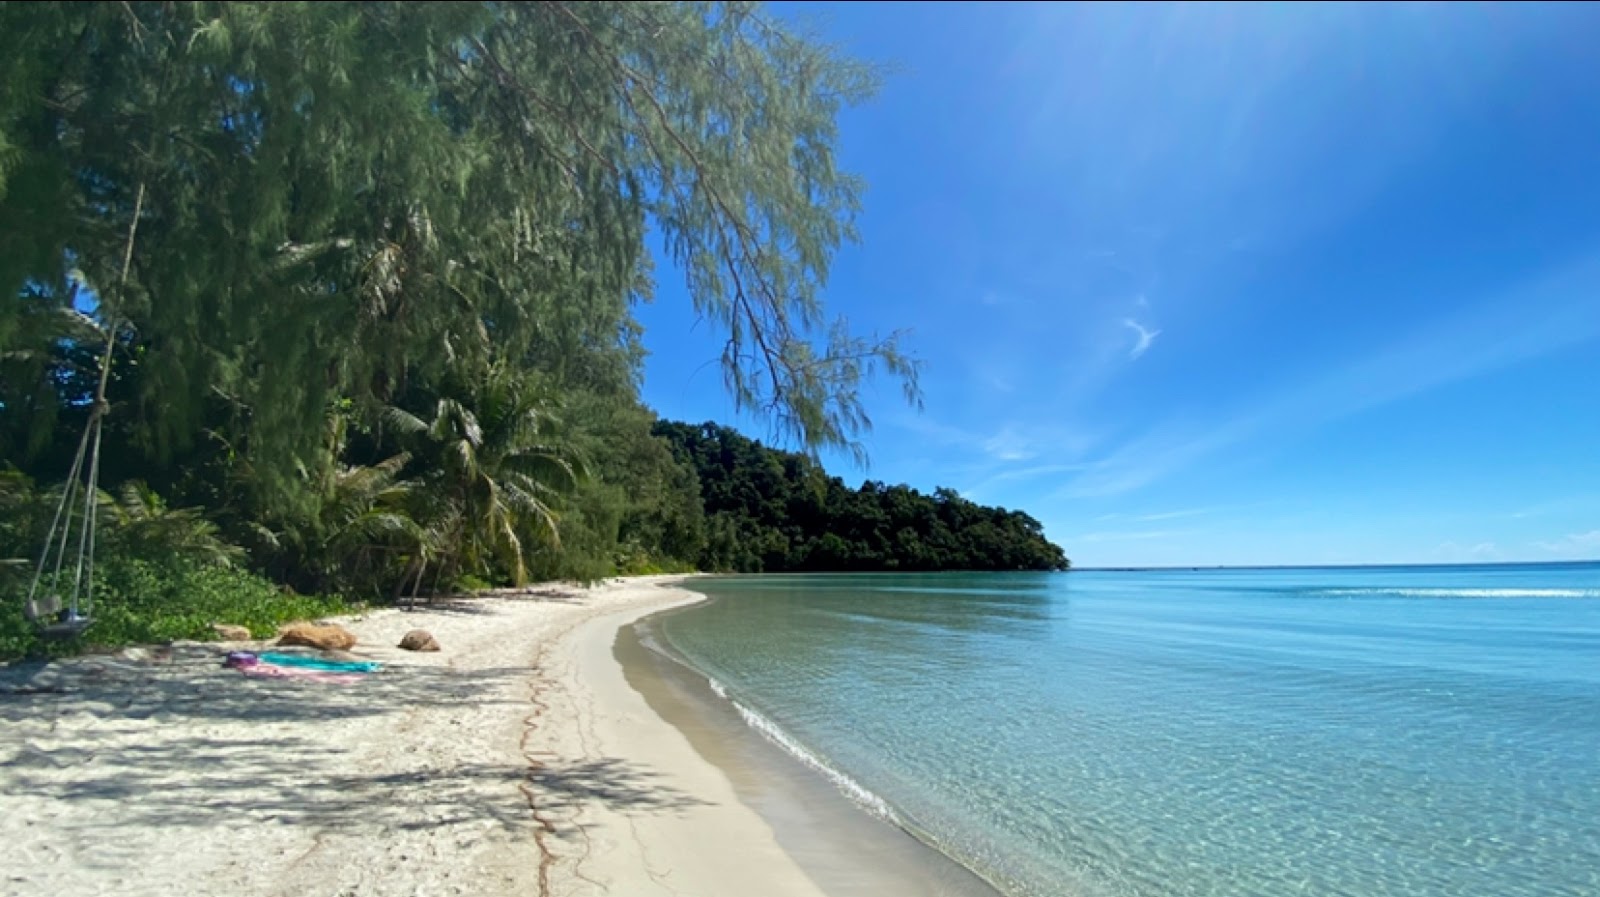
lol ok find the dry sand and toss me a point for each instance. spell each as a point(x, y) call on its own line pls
point(517, 761)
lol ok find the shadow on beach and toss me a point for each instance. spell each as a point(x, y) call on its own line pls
point(473, 604)
point(175, 740)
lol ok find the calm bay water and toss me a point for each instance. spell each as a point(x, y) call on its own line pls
point(1357, 731)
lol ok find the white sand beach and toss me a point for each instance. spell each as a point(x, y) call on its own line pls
point(515, 761)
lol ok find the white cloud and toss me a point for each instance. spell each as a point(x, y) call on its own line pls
point(998, 382)
point(1554, 313)
point(1127, 535)
point(1145, 337)
point(1588, 503)
point(1173, 515)
point(1576, 545)
point(1009, 445)
point(1139, 463)
point(1453, 552)
point(1156, 516)
point(929, 429)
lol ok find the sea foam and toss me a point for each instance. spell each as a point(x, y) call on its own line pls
point(1399, 592)
point(774, 733)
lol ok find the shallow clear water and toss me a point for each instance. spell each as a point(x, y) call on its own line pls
point(1362, 732)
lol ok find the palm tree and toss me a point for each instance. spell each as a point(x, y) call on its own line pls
point(493, 465)
point(146, 526)
point(358, 533)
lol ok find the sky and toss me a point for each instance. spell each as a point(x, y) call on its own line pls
point(1195, 285)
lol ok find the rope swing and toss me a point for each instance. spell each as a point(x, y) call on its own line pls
point(55, 617)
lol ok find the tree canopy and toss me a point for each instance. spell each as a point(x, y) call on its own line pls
point(342, 198)
point(367, 273)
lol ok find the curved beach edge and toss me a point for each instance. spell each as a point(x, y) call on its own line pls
point(516, 761)
point(634, 806)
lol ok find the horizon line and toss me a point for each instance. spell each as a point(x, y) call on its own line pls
point(1141, 569)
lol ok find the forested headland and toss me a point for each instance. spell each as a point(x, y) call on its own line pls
point(360, 281)
point(773, 511)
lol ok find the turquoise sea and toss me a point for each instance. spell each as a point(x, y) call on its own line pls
point(1354, 731)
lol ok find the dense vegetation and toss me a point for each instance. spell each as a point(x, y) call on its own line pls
point(773, 511)
point(365, 274)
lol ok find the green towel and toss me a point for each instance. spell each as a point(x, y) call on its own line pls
point(317, 663)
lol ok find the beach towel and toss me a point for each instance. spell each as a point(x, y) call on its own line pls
point(273, 665)
point(318, 663)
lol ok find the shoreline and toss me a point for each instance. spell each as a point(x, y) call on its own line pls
point(522, 759)
point(842, 835)
point(631, 807)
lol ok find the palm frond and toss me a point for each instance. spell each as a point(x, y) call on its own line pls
point(545, 467)
point(404, 421)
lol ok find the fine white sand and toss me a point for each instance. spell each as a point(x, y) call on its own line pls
point(516, 761)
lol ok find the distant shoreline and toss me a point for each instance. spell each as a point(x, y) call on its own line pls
point(1171, 568)
point(1407, 566)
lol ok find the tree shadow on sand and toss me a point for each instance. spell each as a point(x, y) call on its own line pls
point(206, 782)
point(475, 605)
point(199, 689)
point(142, 741)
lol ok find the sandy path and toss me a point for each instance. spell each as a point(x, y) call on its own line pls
point(171, 775)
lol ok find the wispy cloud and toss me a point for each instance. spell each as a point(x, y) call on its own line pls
point(1128, 535)
point(1584, 545)
point(997, 381)
point(996, 451)
point(986, 482)
point(1009, 445)
point(1158, 516)
point(1565, 503)
point(1453, 552)
point(1144, 337)
point(1549, 315)
point(1149, 458)
point(927, 428)
point(979, 461)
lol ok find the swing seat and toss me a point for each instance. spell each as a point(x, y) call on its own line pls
point(54, 621)
point(68, 625)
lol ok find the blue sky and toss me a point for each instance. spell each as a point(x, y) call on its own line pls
point(1226, 284)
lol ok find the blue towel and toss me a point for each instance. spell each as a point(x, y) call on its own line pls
point(317, 663)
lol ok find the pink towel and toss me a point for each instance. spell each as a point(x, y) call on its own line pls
point(273, 671)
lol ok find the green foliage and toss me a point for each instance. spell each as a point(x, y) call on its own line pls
point(376, 337)
point(469, 583)
point(339, 199)
point(775, 511)
point(639, 509)
point(140, 601)
point(160, 574)
point(353, 533)
point(489, 466)
point(142, 525)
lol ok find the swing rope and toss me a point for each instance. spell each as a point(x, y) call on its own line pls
point(72, 620)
